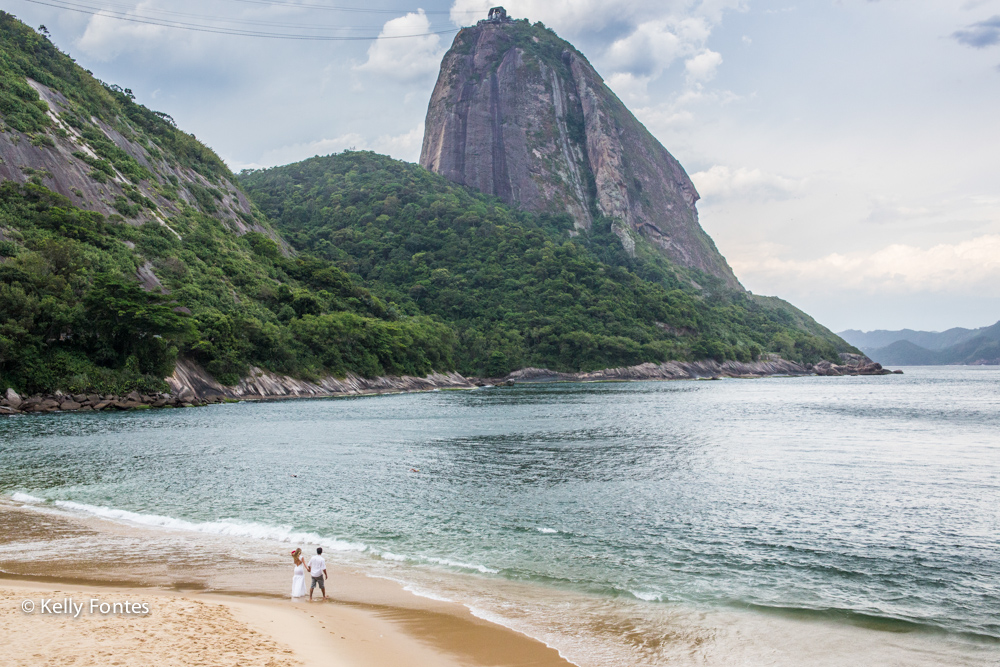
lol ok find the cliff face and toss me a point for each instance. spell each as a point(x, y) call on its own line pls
point(521, 114)
point(63, 159)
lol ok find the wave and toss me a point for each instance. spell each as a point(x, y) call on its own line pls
point(463, 566)
point(872, 621)
point(647, 596)
point(25, 498)
point(224, 527)
point(424, 593)
point(232, 528)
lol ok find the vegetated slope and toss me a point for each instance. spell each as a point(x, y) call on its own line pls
point(124, 242)
point(519, 288)
point(520, 113)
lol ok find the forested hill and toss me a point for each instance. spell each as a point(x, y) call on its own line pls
point(124, 243)
point(519, 289)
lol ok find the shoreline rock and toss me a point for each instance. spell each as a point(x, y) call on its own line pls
point(769, 366)
point(192, 386)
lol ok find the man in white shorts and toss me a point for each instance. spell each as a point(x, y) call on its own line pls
point(317, 569)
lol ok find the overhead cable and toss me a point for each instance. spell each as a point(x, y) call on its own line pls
point(130, 17)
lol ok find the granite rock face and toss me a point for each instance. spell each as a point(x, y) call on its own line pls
point(521, 114)
point(191, 381)
point(61, 166)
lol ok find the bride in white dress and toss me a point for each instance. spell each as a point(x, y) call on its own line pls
point(299, 589)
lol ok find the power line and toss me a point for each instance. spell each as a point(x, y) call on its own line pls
point(360, 10)
point(91, 10)
point(127, 9)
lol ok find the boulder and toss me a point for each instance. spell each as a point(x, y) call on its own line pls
point(79, 398)
point(135, 397)
point(93, 399)
point(6, 410)
point(13, 399)
point(69, 405)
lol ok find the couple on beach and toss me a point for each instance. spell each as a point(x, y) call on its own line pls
point(316, 567)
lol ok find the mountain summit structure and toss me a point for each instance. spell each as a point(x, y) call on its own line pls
point(519, 113)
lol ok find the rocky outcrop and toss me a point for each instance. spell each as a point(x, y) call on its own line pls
point(521, 114)
point(59, 402)
point(62, 161)
point(191, 381)
point(771, 366)
point(192, 386)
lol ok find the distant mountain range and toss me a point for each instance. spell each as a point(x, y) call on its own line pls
point(929, 348)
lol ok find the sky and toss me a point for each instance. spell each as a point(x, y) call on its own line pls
point(847, 151)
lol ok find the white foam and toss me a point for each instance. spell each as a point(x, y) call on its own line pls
point(464, 566)
point(547, 531)
point(386, 555)
point(647, 596)
point(224, 527)
point(420, 592)
point(25, 498)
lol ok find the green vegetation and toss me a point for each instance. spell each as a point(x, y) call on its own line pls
point(519, 289)
point(26, 54)
point(73, 316)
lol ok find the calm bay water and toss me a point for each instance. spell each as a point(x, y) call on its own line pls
point(863, 502)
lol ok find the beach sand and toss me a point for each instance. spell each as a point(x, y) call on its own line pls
point(212, 603)
point(213, 630)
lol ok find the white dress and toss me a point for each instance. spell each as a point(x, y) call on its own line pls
point(299, 589)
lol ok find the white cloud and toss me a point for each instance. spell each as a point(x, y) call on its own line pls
point(629, 87)
point(722, 182)
point(895, 269)
point(654, 45)
point(405, 146)
point(396, 56)
point(106, 37)
point(653, 33)
point(887, 210)
point(702, 66)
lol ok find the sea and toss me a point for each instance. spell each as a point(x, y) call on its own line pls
point(776, 521)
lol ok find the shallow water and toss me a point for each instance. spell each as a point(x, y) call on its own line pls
point(622, 523)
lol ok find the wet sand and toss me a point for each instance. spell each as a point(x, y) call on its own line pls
point(209, 611)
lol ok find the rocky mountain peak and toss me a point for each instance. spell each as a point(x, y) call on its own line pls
point(519, 113)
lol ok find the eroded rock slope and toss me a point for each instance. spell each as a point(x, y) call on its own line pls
point(519, 113)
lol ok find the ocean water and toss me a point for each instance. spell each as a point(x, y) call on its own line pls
point(830, 520)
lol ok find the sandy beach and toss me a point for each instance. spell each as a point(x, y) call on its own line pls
point(235, 612)
point(213, 630)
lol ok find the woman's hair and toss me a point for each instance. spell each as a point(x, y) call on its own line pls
point(296, 553)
